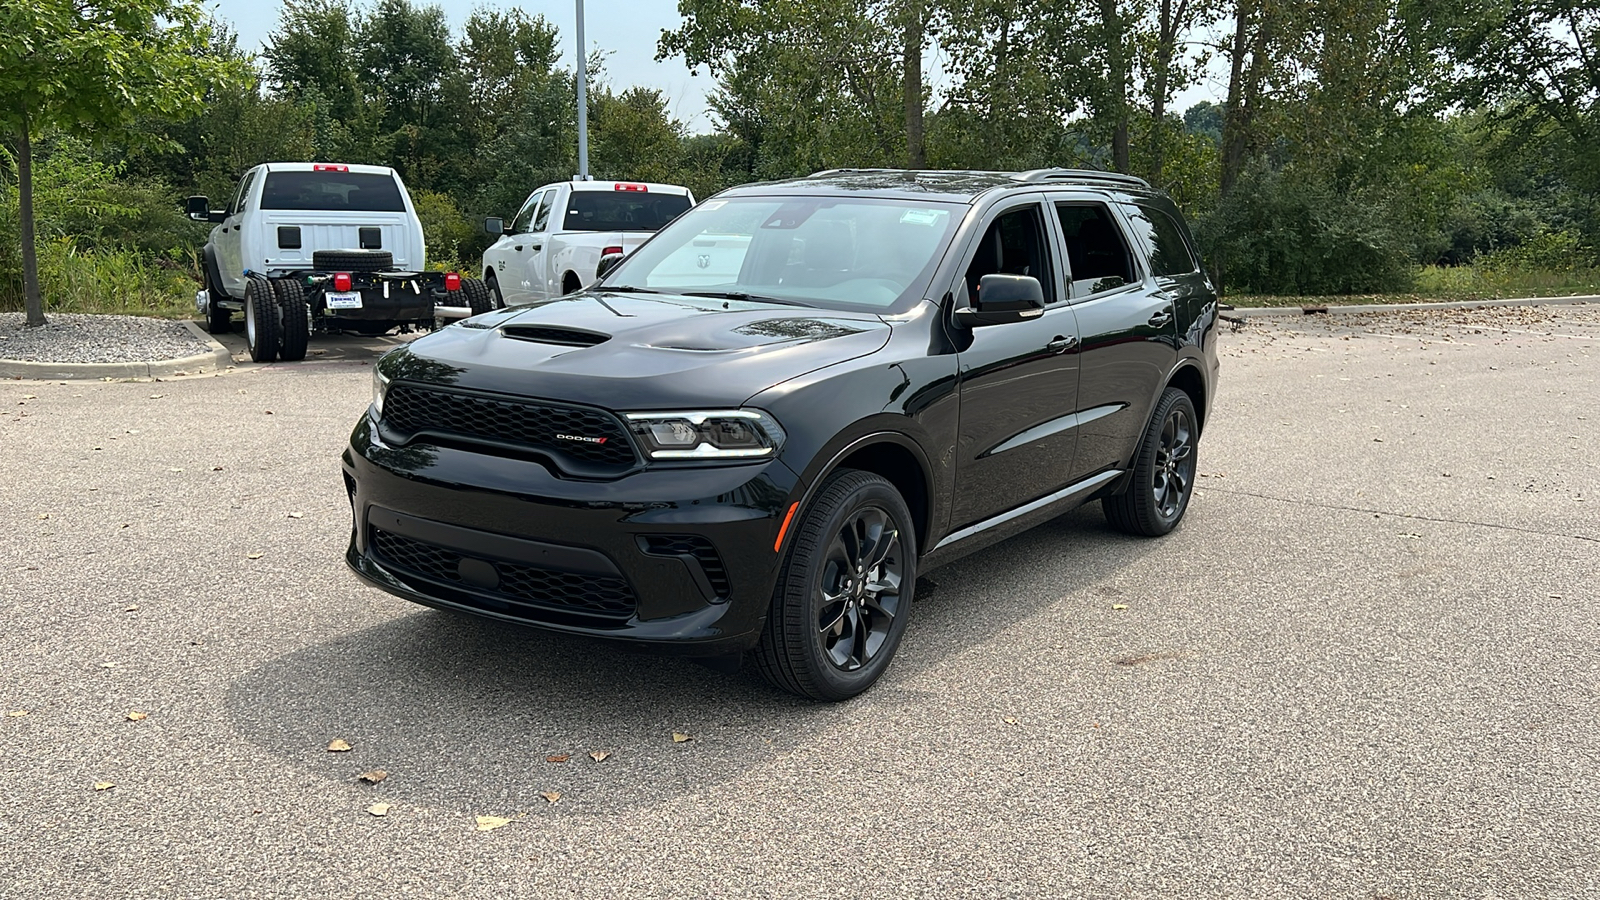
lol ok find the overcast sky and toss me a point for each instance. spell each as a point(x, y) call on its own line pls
point(628, 31)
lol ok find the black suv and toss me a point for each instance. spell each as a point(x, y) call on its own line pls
point(755, 430)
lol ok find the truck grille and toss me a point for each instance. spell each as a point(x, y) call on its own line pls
point(588, 442)
point(518, 584)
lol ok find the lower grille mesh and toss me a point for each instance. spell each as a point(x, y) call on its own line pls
point(518, 583)
point(700, 549)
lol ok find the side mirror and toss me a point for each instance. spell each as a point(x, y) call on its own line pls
point(199, 209)
point(495, 225)
point(1003, 299)
point(607, 263)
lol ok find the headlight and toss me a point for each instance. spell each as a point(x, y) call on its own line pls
point(717, 434)
point(380, 385)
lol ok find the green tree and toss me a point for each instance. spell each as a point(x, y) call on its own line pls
point(93, 67)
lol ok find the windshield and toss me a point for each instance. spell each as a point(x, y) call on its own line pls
point(622, 210)
point(341, 191)
point(840, 252)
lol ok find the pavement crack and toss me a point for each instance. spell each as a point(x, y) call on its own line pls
point(1400, 515)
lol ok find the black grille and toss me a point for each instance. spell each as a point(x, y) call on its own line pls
point(700, 549)
point(530, 585)
point(535, 425)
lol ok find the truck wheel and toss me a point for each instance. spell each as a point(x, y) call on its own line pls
point(844, 596)
point(352, 260)
point(295, 317)
point(219, 320)
point(261, 319)
point(571, 284)
point(477, 295)
point(497, 300)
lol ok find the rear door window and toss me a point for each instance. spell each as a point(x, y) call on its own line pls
point(1096, 248)
point(244, 192)
point(335, 191)
point(622, 210)
point(541, 220)
point(523, 223)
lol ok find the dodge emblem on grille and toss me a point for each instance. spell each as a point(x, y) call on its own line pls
point(586, 440)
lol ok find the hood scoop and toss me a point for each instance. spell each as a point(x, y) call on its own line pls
point(555, 334)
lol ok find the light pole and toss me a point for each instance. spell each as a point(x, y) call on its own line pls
point(583, 103)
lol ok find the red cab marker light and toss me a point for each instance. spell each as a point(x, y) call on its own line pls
point(784, 528)
point(341, 281)
point(631, 186)
point(452, 282)
point(610, 250)
point(328, 167)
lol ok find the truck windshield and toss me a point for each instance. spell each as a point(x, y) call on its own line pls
point(622, 210)
point(341, 191)
point(840, 252)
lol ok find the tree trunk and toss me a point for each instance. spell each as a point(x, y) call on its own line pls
point(1166, 49)
point(915, 157)
point(1234, 116)
point(30, 262)
point(1116, 83)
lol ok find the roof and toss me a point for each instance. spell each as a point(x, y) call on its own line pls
point(321, 166)
point(612, 184)
point(953, 185)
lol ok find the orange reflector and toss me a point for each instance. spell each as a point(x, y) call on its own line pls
point(784, 528)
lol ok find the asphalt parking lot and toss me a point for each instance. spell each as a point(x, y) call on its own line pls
point(1367, 665)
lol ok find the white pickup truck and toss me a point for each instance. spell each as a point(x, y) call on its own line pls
point(321, 248)
point(555, 243)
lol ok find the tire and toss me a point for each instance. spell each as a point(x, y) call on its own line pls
point(496, 299)
point(352, 260)
point(828, 577)
point(294, 315)
point(1163, 471)
point(477, 296)
point(571, 283)
point(218, 320)
point(261, 319)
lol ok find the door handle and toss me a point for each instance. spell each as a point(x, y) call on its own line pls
point(517, 248)
point(535, 246)
point(1160, 319)
point(1062, 344)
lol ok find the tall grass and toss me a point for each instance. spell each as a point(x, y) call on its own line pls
point(125, 282)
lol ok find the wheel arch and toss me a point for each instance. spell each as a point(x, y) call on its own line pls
point(898, 460)
point(571, 278)
point(1188, 378)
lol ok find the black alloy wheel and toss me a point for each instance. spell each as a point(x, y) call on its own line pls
point(261, 319)
point(1163, 472)
point(843, 600)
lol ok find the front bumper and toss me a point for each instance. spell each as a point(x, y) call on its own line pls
point(676, 559)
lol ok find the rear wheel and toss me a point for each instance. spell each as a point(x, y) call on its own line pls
point(843, 599)
point(1163, 471)
point(295, 318)
point(261, 319)
point(477, 295)
point(571, 284)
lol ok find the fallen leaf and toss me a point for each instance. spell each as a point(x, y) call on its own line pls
point(134, 607)
point(1119, 606)
point(490, 823)
point(297, 515)
point(679, 737)
point(17, 713)
point(252, 556)
point(157, 396)
point(43, 516)
point(30, 396)
point(373, 777)
point(559, 757)
point(216, 468)
point(108, 665)
point(1010, 720)
point(552, 796)
point(379, 809)
point(103, 785)
point(338, 745)
point(137, 716)
point(599, 755)
point(175, 470)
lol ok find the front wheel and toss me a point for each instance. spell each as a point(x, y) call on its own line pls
point(1163, 471)
point(844, 596)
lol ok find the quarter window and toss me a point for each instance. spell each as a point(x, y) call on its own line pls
point(1096, 248)
point(1169, 252)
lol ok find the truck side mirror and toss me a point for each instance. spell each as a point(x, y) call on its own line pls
point(607, 263)
point(495, 225)
point(1003, 299)
point(198, 208)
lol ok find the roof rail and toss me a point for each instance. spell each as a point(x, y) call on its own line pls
point(826, 172)
point(1038, 175)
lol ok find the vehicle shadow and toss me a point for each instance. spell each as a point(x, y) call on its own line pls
point(466, 713)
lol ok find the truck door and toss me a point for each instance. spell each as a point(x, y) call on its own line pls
point(230, 238)
point(537, 249)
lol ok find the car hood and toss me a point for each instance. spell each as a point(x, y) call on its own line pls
point(638, 351)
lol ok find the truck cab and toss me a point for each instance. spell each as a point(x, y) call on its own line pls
point(554, 243)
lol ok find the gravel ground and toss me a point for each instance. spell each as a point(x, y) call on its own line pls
point(1366, 666)
point(78, 338)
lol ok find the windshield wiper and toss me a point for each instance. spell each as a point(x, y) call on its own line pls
point(742, 296)
point(627, 289)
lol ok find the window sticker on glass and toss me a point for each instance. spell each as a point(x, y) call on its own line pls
point(714, 204)
point(923, 216)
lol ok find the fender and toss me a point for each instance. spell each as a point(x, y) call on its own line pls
point(813, 482)
point(213, 274)
point(1187, 362)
